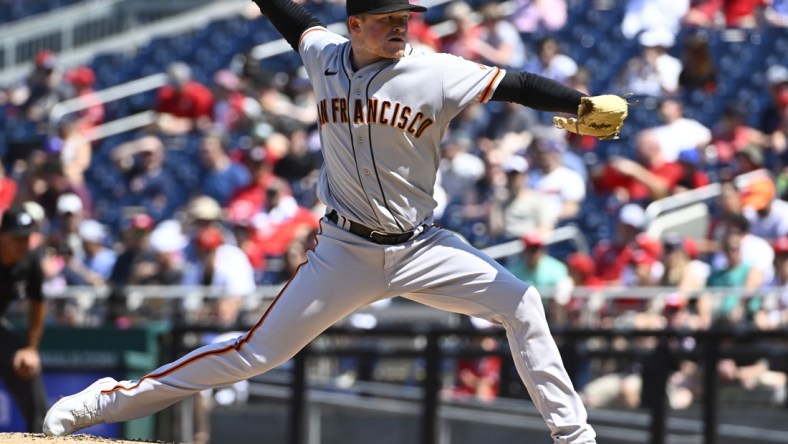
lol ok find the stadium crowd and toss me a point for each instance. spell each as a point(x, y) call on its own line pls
point(249, 213)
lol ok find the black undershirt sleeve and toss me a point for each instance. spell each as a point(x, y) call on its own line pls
point(537, 92)
point(290, 19)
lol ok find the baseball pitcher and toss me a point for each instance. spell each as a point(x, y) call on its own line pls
point(383, 109)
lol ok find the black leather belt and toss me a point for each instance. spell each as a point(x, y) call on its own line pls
point(379, 237)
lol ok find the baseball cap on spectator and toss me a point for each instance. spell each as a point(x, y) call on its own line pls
point(582, 263)
point(758, 194)
point(753, 153)
point(168, 237)
point(178, 73)
point(69, 203)
point(690, 156)
point(515, 164)
point(92, 231)
point(633, 215)
point(657, 37)
point(17, 222)
point(204, 208)
point(227, 80)
point(141, 222)
point(82, 77)
point(782, 98)
point(46, 59)
point(641, 257)
point(533, 240)
point(780, 245)
point(649, 245)
point(209, 238)
point(675, 241)
point(35, 210)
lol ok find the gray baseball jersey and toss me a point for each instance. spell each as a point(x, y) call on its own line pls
point(381, 127)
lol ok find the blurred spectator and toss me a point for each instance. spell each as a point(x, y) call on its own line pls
point(65, 225)
point(678, 133)
point(534, 15)
point(136, 249)
point(768, 216)
point(727, 13)
point(74, 151)
point(582, 270)
point(643, 181)
point(251, 198)
point(229, 114)
point(699, 72)
point(645, 268)
point(82, 80)
point(202, 212)
point(422, 36)
point(653, 72)
point(226, 270)
point(774, 306)
point(683, 269)
point(773, 119)
point(459, 169)
point(732, 134)
point(148, 183)
point(649, 15)
point(221, 176)
point(563, 188)
point(693, 175)
point(752, 250)
point(499, 43)
point(168, 242)
point(613, 256)
point(550, 62)
point(513, 123)
point(536, 267)
point(462, 41)
point(282, 219)
point(44, 88)
point(300, 167)
point(8, 189)
point(735, 274)
point(777, 13)
point(520, 210)
point(748, 160)
point(479, 378)
point(183, 104)
point(96, 266)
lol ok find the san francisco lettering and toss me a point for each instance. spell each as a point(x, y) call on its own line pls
point(376, 112)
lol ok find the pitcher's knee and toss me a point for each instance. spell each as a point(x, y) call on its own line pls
point(529, 307)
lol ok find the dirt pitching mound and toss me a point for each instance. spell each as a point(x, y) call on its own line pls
point(37, 438)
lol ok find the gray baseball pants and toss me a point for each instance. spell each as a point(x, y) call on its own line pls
point(344, 273)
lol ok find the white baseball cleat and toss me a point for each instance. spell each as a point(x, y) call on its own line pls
point(78, 411)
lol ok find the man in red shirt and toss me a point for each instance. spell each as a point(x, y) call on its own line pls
point(183, 104)
point(650, 179)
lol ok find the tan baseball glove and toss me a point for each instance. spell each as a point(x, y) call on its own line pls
point(598, 116)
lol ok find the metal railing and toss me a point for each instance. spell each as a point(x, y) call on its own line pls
point(432, 354)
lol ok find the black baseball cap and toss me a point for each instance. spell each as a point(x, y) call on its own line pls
point(355, 7)
point(17, 221)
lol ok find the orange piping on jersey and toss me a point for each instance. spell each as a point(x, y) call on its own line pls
point(494, 81)
point(316, 28)
point(235, 346)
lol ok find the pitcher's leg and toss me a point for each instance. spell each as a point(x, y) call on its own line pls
point(463, 280)
point(319, 294)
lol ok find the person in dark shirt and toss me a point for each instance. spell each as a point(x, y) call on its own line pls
point(21, 277)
